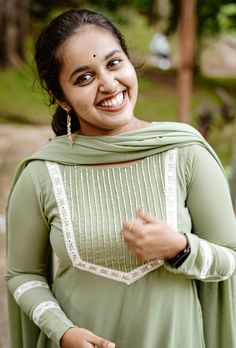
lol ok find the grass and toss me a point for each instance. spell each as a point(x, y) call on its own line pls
point(20, 101)
point(156, 101)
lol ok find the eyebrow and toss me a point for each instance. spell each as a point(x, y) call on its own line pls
point(85, 67)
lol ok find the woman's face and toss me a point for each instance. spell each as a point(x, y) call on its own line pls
point(99, 82)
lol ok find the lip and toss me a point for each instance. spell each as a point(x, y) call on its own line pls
point(114, 108)
point(111, 96)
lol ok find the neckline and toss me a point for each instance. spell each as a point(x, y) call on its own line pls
point(116, 165)
point(112, 166)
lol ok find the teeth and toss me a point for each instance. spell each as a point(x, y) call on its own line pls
point(114, 101)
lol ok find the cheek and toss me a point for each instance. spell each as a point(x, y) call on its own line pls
point(83, 104)
point(80, 99)
point(131, 78)
point(132, 83)
point(131, 74)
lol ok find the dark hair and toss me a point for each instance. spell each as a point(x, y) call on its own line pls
point(48, 60)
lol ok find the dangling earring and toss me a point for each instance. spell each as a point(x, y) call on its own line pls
point(68, 123)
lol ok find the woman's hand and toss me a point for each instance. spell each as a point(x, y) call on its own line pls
point(81, 338)
point(149, 238)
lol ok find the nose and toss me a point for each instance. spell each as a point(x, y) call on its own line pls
point(108, 83)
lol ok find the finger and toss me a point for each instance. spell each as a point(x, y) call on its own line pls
point(128, 235)
point(147, 218)
point(131, 224)
point(101, 342)
point(105, 345)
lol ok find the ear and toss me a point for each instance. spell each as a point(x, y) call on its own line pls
point(61, 103)
point(64, 105)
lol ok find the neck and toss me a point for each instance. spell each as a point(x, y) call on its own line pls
point(134, 125)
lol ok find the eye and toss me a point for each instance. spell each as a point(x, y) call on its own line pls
point(84, 79)
point(115, 62)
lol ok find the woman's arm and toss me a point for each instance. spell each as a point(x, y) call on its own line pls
point(28, 250)
point(213, 241)
point(27, 268)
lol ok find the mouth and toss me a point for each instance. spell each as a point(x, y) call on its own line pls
point(114, 103)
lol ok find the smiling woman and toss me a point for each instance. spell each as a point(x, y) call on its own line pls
point(138, 214)
point(86, 76)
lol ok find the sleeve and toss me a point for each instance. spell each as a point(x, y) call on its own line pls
point(28, 253)
point(213, 237)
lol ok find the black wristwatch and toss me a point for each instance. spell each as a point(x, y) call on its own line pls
point(181, 256)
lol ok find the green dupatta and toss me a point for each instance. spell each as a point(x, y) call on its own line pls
point(217, 299)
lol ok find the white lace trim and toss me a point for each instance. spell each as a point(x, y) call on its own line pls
point(64, 211)
point(208, 262)
point(69, 237)
point(20, 290)
point(120, 276)
point(171, 188)
point(42, 308)
point(232, 264)
point(207, 258)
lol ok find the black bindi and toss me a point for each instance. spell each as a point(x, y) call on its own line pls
point(94, 55)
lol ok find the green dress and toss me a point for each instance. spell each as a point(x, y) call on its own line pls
point(59, 203)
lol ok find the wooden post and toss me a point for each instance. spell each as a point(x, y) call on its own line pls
point(187, 30)
point(233, 178)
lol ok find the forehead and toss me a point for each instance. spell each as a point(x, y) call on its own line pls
point(87, 42)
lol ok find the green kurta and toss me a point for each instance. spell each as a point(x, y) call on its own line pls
point(78, 210)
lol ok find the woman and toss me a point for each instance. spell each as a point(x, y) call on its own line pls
point(138, 214)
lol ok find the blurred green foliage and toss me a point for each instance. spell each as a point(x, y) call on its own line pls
point(212, 16)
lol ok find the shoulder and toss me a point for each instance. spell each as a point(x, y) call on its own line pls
point(198, 153)
point(197, 159)
point(36, 168)
point(194, 154)
point(29, 173)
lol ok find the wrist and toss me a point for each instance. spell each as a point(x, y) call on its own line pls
point(178, 244)
point(67, 336)
point(182, 255)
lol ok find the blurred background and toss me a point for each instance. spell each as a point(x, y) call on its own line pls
point(186, 53)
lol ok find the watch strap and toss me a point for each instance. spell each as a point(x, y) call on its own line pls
point(177, 261)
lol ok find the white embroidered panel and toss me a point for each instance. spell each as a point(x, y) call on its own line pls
point(20, 290)
point(171, 189)
point(69, 236)
point(42, 308)
point(64, 211)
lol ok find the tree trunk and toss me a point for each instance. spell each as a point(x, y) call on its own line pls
point(233, 179)
point(153, 12)
point(13, 24)
point(187, 54)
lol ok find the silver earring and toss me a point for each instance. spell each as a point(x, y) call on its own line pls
point(68, 123)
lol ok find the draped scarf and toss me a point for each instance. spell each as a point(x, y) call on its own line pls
point(217, 299)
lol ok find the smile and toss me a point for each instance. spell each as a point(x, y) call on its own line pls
point(113, 102)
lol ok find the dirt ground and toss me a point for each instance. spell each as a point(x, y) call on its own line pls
point(16, 143)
